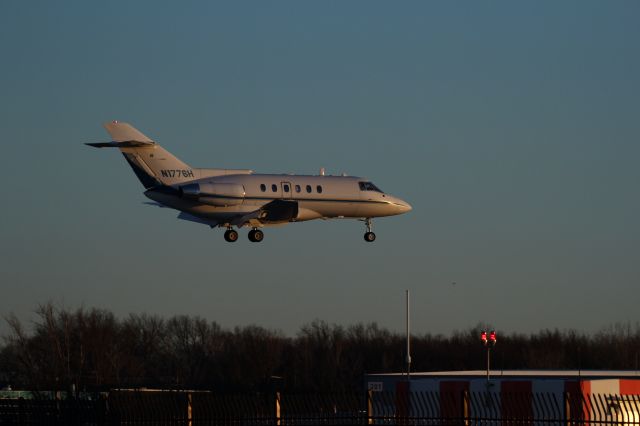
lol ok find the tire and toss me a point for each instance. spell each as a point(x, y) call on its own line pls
point(369, 237)
point(231, 236)
point(258, 236)
point(251, 235)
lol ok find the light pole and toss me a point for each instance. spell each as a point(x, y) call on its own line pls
point(488, 342)
point(408, 359)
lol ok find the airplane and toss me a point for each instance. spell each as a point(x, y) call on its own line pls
point(228, 198)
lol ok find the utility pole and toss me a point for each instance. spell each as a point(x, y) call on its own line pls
point(408, 342)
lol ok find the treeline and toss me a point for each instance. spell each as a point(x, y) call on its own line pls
point(91, 349)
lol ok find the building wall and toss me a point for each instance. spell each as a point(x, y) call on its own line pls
point(512, 397)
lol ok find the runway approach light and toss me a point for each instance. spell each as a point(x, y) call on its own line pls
point(488, 343)
point(488, 339)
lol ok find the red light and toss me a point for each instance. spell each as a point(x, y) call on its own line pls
point(492, 337)
point(483, 337)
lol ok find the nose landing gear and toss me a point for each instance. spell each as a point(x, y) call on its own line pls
point(369, 236)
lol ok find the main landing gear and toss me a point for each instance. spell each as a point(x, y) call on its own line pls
point(369, 236)
point(256, 235)
point(231, 236)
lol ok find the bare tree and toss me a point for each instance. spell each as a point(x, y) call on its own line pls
point(90, 349)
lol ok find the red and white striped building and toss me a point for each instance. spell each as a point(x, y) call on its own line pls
point(574, 389)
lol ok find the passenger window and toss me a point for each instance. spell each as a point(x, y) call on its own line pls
point(319, 188)
point(274, 188)
point(309, 189)
point(297, 188)
point(263, 187)
point(286, 188)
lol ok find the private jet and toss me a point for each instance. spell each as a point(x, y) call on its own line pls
point(228, 198)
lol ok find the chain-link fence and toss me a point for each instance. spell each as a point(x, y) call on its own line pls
point(191, 408)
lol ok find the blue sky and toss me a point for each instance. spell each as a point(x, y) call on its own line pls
point(511, 127)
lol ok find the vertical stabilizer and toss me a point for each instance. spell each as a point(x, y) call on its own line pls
point(152, 164)
point(124, 132)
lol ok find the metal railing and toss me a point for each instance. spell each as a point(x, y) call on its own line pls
point(410, 408)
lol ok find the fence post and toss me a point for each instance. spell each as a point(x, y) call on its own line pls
point(102, 419)
point(189, 409)
point(277, 407)
point(21, 410)
point(370, 407)
point(465, 407)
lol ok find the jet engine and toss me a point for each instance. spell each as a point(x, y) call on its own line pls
point(214, 194)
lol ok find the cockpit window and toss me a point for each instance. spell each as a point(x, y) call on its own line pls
point(368, 186)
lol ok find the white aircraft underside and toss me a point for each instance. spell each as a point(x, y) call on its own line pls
point(240, 198)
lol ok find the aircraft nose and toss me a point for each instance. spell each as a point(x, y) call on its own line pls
point(404, 206)
point(401, 206)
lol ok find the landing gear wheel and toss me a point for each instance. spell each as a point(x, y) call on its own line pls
point(256, 235)
point(369, 236)
point(231, 236)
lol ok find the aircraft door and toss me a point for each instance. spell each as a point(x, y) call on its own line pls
point(287, 190)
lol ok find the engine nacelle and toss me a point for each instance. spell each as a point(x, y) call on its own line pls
point(214, 194)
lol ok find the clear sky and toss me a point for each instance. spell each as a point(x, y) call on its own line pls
point(511, 127)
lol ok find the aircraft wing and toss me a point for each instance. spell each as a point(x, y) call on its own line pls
point(272, 213)
point(276, 211)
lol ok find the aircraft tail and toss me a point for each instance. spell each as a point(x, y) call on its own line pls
point(152, 164)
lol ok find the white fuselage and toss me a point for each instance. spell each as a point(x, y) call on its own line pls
point(317, 197)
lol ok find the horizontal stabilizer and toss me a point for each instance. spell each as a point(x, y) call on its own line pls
point(123, 144)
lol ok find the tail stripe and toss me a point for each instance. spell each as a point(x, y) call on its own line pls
point(142, 171)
